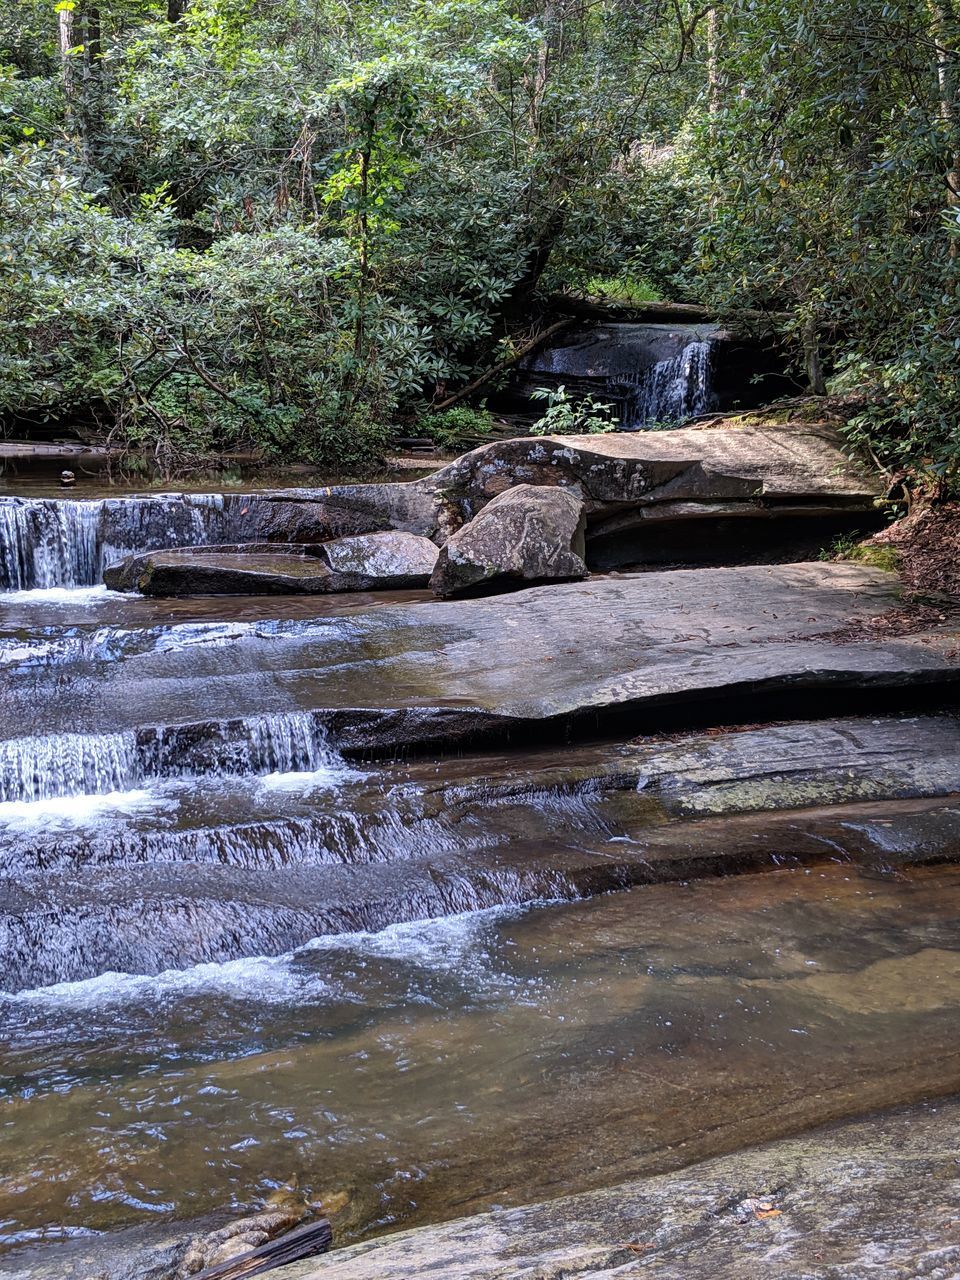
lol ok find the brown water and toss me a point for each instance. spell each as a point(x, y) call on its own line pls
point(33, 478)
point(445, 1066)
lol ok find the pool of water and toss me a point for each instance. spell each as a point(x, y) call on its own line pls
point(444, 1066)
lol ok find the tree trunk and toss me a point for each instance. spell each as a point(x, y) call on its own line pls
point(713, 69)
point(92, 98)
point(943, 29)
point(65, 41)
point(811, 355)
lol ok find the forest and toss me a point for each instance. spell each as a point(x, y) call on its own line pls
point(232, 223)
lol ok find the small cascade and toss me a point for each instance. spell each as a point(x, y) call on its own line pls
point(671, 390)
point(54, 542)
point(49, 543)
point(283, 744)
point(67, 764)
point(76, 764)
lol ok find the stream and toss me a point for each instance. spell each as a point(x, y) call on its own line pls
point(233, 953)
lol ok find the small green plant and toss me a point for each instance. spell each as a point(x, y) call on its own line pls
point(449, 428)
point(566, 417)
point(846, 546)
point(630, 289)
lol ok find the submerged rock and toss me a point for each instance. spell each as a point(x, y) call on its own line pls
point(229, 569)
point(366, 562)
point(877, 1197)
point(531, 533)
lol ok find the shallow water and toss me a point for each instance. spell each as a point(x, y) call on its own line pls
point(445, 1066)
point(168, 796)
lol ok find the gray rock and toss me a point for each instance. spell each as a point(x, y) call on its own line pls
point(877, 1197)
point(627, 481)
point(685, 473)
point(703, 640)
point(379, 561)
point(365, 562)
point(221, 571)
point(741, 469)
point(317, 515)
point(531, 533)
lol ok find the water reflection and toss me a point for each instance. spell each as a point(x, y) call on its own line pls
point(438, 1067)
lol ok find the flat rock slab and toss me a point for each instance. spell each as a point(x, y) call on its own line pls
point(748, 467)
point(692, 643)
point(211, 572)
point(364, 562)
point(877, 1197)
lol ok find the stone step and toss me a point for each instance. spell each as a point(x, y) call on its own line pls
point(704, 643)
point(229, 871)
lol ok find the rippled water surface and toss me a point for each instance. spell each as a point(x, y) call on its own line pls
point(168, 794)
point(447, 1065)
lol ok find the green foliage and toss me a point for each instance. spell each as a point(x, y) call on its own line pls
point(848, 547)
point(255, 224)
point(567, 417)
point(451, 428)
point(833, 175)
point(622, 289)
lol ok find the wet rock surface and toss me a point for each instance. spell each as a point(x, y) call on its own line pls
point(238, 569)
point(364, 562)
point(318, 515)
point(877, 1197)
point(403, 676)
point(244, 870)
point(333, 946)
point(530, 533)
point(506, 1058)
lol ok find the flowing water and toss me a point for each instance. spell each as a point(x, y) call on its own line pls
point(673, 390)
point(444, 1066)
point(652, 374)
point(229, 954)
point(56, 542)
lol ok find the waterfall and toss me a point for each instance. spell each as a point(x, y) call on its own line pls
point(83, 764)
point(671, 390)
point(67, 764)
point(280, 744)
point(49, 543)
point(54, 542)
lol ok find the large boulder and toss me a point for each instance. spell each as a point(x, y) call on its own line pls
point(683, 473)
point(531, 533)
point(379, 561)
point(340, 511)
point(366, 562)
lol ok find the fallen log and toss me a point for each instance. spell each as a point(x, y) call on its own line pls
point(517, 356)
point(304, 1242)
point(613, 311)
